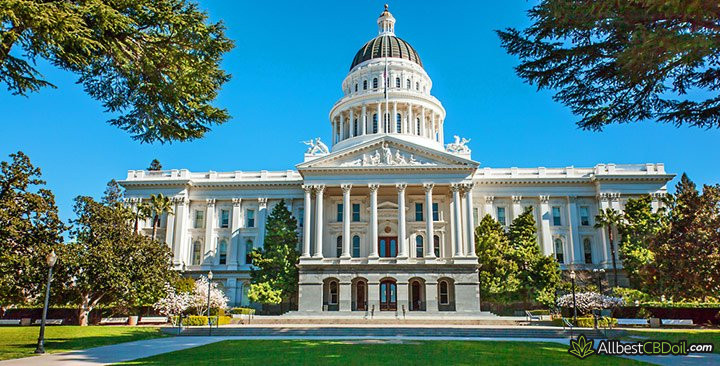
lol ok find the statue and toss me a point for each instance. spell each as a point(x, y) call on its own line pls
point(387, 155)
point(459, 146)
point(316, 147)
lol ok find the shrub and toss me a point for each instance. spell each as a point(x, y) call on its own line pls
point(587, 301)
point(631, 295)
point(201, 320)
point(243, 311)
point(588, 322)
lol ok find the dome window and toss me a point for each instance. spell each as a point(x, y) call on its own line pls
point(397, 82)
point(375, 83)
point(356, 87)
point(417, 86)
point(408, 84)
point(364, 84)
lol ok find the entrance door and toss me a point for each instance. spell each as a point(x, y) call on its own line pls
point(387, 246)
point(360, 296)
point(388, 295)
point(416, 303)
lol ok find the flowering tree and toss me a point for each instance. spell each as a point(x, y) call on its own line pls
point(587, 301)
point(199, 296)
point(173, 303)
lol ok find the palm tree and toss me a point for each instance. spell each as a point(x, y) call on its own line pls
point(158, 205)
point(142, 211)
point(607, 219)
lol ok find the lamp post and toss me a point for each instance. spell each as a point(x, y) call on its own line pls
point(572, 279)
point(600, 273)
point(50, 259)
point(210, 277)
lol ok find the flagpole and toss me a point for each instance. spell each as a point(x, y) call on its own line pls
point(387, 81)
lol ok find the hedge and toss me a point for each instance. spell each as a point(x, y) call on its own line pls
point(243, 311)
point(200, 320)
point(588, 322)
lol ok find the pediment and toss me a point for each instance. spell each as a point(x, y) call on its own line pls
point(388, 152)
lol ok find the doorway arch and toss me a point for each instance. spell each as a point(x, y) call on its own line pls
point(416, 294)
point(388, 294)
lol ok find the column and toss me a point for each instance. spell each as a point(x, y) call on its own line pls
point(209, 232)
point(363, 123)
point(307, 221)
point(489, 206)
point(457, 224)
point(181, 212)
point(379, 118)
point(422, 122)
point(346, 221)
point(342, 127)
point(429, 242)
point(573, 223)
point(517, 209)
point(235, 232)
point(351, 124)
point(435, 127)
point(373, 221)
point(170, 226)
point(603, 204)
point(470, 221)
point(442, 132)
point(393, 120)
point(319, 189)
point(262, 219)
point(545, 216)
point(410, 119)
point(402, 235)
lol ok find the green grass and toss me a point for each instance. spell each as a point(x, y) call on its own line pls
point(16, 342)
point(675, 335)
point(365, 352)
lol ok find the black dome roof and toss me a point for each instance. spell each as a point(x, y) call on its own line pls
point(386, 45)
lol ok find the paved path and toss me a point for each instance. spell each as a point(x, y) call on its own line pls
point(146, 348)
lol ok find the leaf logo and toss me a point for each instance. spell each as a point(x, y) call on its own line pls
point(581, 347)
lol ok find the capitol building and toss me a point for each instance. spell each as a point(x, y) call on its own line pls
point(388, 205)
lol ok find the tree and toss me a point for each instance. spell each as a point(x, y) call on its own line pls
point(142, 211)
point(497, 272)
point(159, 205)
point(199, 296)
point(155, 64)
point(275, 265)
point(637, 229)
point(155, 165)
point(538, 275)
point(113, 194)
point(110, 263)
point(29, 230)
point(624, 61)
point(609, 219)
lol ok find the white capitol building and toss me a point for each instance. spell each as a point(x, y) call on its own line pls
point(387, 213)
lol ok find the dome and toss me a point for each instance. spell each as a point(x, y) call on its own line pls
point(378, 48)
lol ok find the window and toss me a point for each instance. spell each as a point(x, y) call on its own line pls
point(248, 250)
point(419, 246)
point(375, 83)
point(417, 130)
point(196, 253)
point(408, 84)
point(301, 216)
point(501, 215)
point(418, 211)
point(436, 245)
point(355, 127)
point(397, 82)
point(224, 219)
point(444, 293)
point(398, 123)
point(223, 251)
point(250, 218)
point(417, 86)
point(559, 253)
point(435, 213)
point(375, 123)
point(356, 246)
point(199, 219)
point(356, 87)
point(587, 250)
point(339, 212)
point(356, 212)
point(556, 216)
point(333, 293)
point(584, 216)
point(386, 122)
point(338, 246)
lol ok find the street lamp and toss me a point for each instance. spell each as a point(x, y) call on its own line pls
point(572, 279)
point(600, 274)
point(210, 277)
point(50, 259)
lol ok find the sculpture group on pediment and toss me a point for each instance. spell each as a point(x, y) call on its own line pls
point(384, 156)
point(458, 146)
point(316, 147)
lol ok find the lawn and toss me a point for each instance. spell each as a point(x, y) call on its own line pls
point(16, 342)
point(675, 335)
point(368, 352)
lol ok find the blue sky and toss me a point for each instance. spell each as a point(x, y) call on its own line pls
point(287, 67)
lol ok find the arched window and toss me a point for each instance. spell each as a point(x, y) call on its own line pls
point(375, 83)
point(338, 246)
point(356, 87)
point(408, 85)
point(333, 293)
point(417, 130)
point(587, 250)
point(196, 253)
point(355, 127)
point(397, 82)
point(248, 250)
point(444, 293)
point(436, 244)
point(364, 84)
point(375, 123)
point(398, 123)
point(417, 85)
point(223, 251)
point(419, 246)
point(356, 246)
point(559, 253)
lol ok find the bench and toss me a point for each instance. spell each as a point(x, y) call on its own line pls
point(49, 321)
point(9, 321)
point(531, 317)
point(153, 320)
point(684, 322)
point(118, 320)
point(632, 322)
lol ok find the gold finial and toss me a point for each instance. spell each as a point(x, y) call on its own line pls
point(386, 7)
